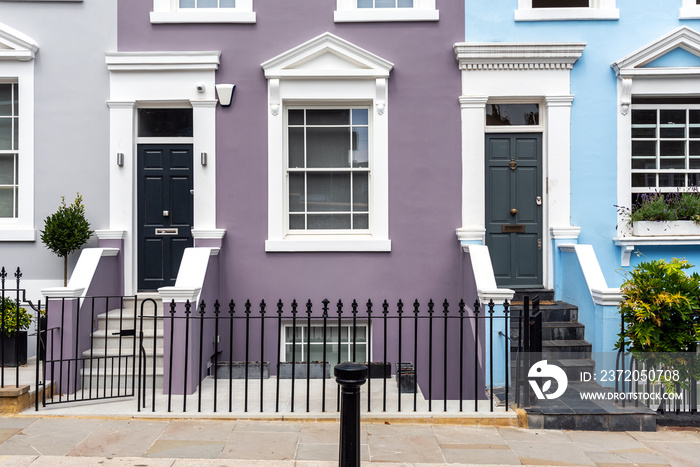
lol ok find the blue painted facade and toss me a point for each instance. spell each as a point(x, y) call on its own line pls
point(594, 134)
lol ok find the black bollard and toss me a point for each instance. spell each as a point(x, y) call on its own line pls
point(350, 376)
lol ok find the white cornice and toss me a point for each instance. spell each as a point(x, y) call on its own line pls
point(518, 55)
point(162, 61)
point(15, 45)
point(361, 63)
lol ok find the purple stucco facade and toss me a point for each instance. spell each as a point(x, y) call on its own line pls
point(424, 161)
point(424, 151)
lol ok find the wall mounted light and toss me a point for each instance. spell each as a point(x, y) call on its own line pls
point(225, 93)
point(203, 157)
point(120, 159)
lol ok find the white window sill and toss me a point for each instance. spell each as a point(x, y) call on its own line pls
point(299, 243)
point(17, 235)
point(202, 17)
point(689, 12)
point(567, 14)
point(628, 243)
point(385, 15)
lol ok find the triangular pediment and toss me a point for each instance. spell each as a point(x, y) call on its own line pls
point(327, 56)
point(677, 50)
point(15, 45)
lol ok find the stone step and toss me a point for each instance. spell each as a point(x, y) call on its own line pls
point(563, 330)
point(557, 312)
point(566, 349)
point(122, 381)
point(107, 339)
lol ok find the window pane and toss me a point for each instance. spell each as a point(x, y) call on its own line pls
point(512, 114)
point(405, 4)
point(364, 3)
point(296, 117)
point(327, 147)
point(360, 191)
point(5, 100)
point(384, 3)
point(672, 117)
point(672, 180)
point(643, 179)
point(296, 147)
point(207, 3)
point(7, 202)
point(640, 163)
point(360, 117)
point(296, 222)
point(296, 192)
point(187, 4)
point(328, 192)
point(672, 148)
point(559, 3)
point(360, 221)
point(328, 117)
point(644, 117)
point(7, 169)
point(6, 133)
point(360, 147)
point(328, 221)
point(165, 122)
point(227, 3)
point(643, 149)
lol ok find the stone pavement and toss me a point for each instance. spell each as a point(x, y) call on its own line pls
point(74, 441)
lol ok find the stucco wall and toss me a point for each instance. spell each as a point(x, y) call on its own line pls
point(71, 121)
point(594, 111)
point(424, 152)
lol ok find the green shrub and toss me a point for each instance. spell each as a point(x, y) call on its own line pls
point(10, 322)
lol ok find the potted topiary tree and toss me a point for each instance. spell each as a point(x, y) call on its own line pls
point(14, 323)
point(66, 230)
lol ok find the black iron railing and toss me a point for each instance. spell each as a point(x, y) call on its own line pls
point(13, 325)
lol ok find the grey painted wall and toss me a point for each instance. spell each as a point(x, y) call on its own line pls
point(424, 151)
point(71, 120)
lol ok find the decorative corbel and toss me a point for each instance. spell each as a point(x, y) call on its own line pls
point(275, 103)
point(381, 96)
point(626, 96)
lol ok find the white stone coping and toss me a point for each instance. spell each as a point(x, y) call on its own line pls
point(595, 280)
point(629, 243)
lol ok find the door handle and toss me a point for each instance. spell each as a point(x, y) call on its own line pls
point(166, 213)
point(538, 201)
point(513, 212)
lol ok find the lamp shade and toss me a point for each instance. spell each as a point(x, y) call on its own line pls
point(225, 93)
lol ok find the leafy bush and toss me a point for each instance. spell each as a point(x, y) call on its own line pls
point(10, 322)
point(661, 319)
point(660, 307)
point(66, 230)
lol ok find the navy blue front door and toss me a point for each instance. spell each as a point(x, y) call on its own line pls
point(514, 208)
point(165, 212)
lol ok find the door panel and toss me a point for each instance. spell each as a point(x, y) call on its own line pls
point(513, 215)
point(165, 212)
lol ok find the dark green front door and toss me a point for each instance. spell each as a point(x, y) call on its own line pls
point(165, 212)
point(514, 208)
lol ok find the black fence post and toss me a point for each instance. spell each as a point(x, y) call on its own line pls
point(350, 376)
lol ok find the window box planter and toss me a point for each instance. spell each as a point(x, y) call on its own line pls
point(14, 349)
point(665, 228)
point(317, 370)
point(379, 369)
point(236, 370)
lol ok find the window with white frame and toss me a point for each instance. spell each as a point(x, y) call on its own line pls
point(665, 150)
point(563, 10)
point(328, 169)
point(385, 10)
point(308, 344)
point(203, 11)
point(9, 150)
point(690, 9)
point(328, 148)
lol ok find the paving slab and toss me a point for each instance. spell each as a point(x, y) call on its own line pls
point(120, 438)
point(268, 445)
